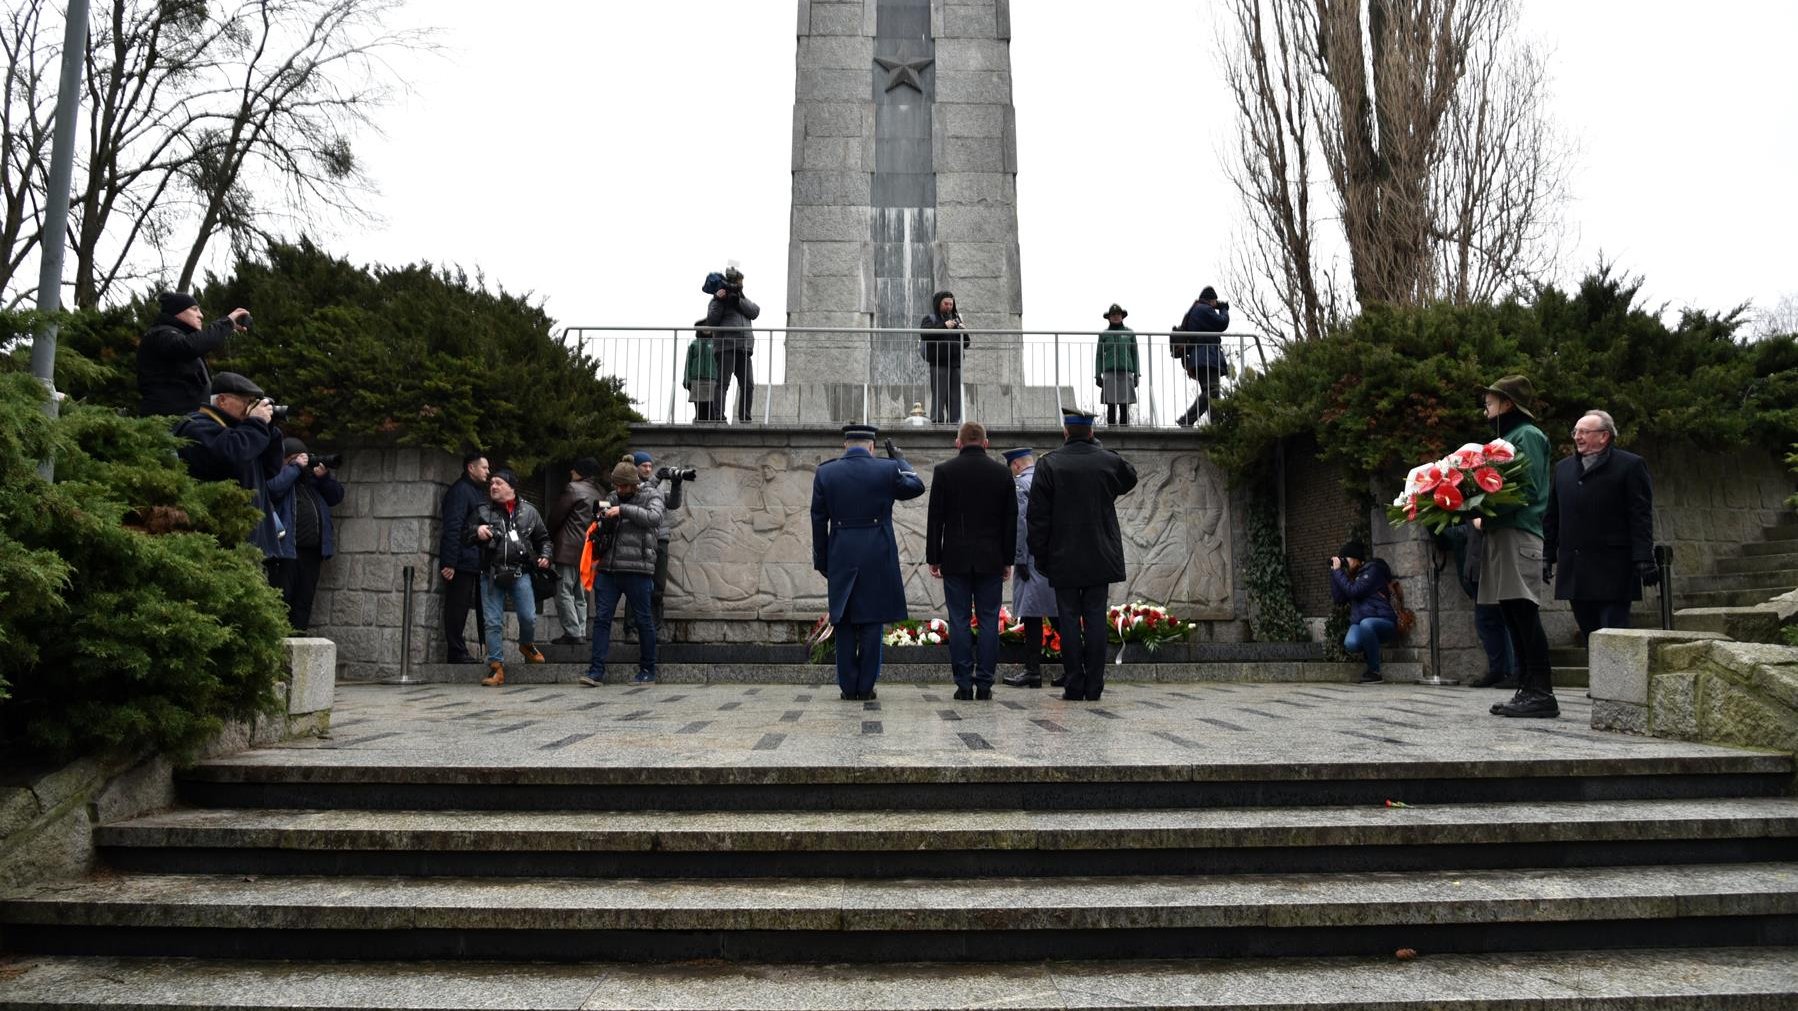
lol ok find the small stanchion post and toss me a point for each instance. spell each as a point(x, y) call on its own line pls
point(406, 628)
point(1663, 560)
point(1438, 559)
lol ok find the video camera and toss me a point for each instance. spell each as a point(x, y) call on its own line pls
point(676, 474)
point(733, 281)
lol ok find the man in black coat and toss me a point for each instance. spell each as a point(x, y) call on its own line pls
point(728, 316)
point(970, 538)
point(1599, 528)
point(460, 563)
point(171, 356)
point(234, 438)
point(1074, 536)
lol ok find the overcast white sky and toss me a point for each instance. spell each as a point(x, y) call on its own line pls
point(605, 156)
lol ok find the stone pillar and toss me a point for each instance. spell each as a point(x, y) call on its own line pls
point(904, 183)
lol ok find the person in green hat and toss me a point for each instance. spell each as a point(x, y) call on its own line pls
point(1115, 367)
point(1511, 557)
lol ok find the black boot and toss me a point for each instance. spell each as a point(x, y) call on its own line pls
point(1530, 705)
point(1026, 679)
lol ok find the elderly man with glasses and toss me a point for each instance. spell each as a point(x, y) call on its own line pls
point(1598, 533)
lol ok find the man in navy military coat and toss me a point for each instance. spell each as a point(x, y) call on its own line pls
point(853, 547)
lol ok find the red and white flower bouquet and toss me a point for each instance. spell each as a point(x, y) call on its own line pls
point(1472, 481)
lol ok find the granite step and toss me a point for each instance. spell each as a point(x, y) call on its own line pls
point(1262, 672)
point(625, 651)
point(1783, 545)
point(951, 844)
point(1786, 577)
point(871, 920)
point(1787, 559)
point(393, 781)
point(1731, 598)
point(1661, 979)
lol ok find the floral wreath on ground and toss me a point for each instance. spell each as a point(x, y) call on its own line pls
point(1472, 481)
point(1150, 625)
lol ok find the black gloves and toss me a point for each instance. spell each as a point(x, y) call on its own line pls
point(893, 451)
point(1023, 572)
point(1548, 573)
point(1650, 573)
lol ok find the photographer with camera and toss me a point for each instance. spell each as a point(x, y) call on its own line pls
point(653, 477)
point(623, 564)
point(728, 316)
point(234, 439)
point(1203, 356)
point(942, 352)
point(171, 355)
point(569, 519)
point(513, 541)
point(308, 506)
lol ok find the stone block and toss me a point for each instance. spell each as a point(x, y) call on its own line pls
point(969, 154)
point(976, 188)
point(838, 52)
point(832, 259)
point(977, 259)
point(976, 224)
point(967, 55)
point(357, 536)
point(148, 786)
point(416, 498)
point(1733, 714)
point(837, 293)
point(831, 224)
point(18, 808)
point(972, 120)
point(834, 19)
point(829, 84)
point(1759, 623)
point(840, 119)
point(1623, 717)
point(413, 536)
point(1673, 705)
point(834, 155)
point(59, 847)
point(991, 87)
point(73, 781)
point(312, 674)
point(832, 188)
point(976, 22)
point(406, 465)
point(1623, 658)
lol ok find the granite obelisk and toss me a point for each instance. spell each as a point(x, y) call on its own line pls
point(904, 183)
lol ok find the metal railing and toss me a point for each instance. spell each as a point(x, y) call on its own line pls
point(1012, 378)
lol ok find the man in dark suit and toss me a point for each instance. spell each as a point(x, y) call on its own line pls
point(1074, 537)
point(854, 549)
point(1599, 528)
point(970, 537)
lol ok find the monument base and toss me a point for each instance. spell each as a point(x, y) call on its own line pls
point(999, 405)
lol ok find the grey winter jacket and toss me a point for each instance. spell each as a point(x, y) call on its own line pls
point(519, 538)
point(633, 546)
point(671, 501)
point(732, 312)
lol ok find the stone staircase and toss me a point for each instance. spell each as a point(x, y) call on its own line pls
point(1761, 570)
point(1563, 870)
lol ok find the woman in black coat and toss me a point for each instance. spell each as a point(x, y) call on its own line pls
point(942, 353)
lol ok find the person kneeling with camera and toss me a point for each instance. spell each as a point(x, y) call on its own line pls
point(621, 562)
point(233, 438)
point(513, 540)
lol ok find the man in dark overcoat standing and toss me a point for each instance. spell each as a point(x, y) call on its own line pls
point(1074, 536)
point(970, 538)
point(1599, 529)
point(854, 549)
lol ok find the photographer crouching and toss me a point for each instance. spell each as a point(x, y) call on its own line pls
point(623, 564)
point(234, 438)
point(653, 477)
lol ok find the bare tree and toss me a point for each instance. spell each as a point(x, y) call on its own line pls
point(1779, 319)
point(1429, 121)
point(25, 123)
point(205, 120)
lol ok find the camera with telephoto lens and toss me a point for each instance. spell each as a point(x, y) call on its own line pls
point(733, 281)
point(244, 321)
point(277, 412)
point(676, 474)
point(330, 461)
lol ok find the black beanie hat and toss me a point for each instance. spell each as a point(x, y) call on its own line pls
point(1354, 549)
point(1209, 294)
point(504, 474)
point(291, 445)
point(173, 302)
point(586, 466)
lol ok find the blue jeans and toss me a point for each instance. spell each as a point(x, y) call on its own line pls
point(858, 657)
point(1365, 636)
point(493, 609)
point(636, 588)
point(981, 591)
point(1489, 622)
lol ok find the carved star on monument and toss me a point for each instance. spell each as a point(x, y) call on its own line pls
point(904, 72)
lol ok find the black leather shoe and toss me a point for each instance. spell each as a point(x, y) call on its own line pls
point(1531, 705)
point(869, 695)
point(566, 640)
point(964, 694)
point(850, 697)
point(1024, 680)
point(1369, 677)
point(983, 693)
point(1069, 697)
point(1058, 681)
point(1496, 706)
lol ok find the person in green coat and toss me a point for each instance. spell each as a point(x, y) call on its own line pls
point(1115, 367)
point(1511, 557)
point(701, 379)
